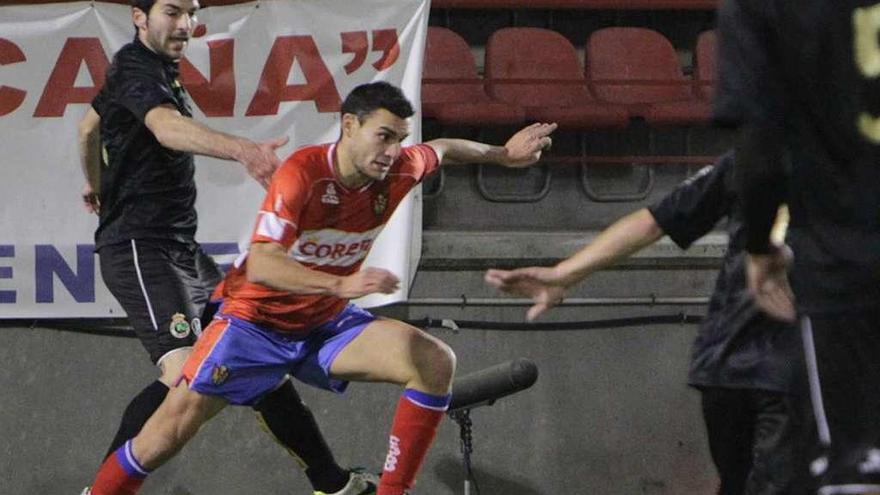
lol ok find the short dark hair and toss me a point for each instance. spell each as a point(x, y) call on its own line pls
point(367, 98)
point(144, 5)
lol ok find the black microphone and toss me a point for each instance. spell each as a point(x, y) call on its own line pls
point(484, 387)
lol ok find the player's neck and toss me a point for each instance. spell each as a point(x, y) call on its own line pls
point(346, 171)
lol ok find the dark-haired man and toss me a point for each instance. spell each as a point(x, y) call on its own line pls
point(286, 306)
point(143, 190)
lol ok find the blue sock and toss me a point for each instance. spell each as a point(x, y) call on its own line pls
point(428, 401)
point(125, 457)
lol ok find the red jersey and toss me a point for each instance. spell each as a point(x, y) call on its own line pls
point(322, 225)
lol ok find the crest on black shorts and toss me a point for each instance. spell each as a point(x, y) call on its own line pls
point(219, 374)
point(179, 327)
point(380, 203)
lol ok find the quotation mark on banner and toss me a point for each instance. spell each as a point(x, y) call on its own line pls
point(384, 40)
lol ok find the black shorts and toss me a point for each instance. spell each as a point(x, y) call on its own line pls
point(843, 361)
point(164, 287)
point(756, 438)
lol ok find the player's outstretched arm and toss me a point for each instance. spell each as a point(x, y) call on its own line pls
point(89, 133)
point(178, 132)
point(522, 149)
point(268, 264)
point(546, 286)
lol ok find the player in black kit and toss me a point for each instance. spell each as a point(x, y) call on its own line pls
point(799, 78)
point(746, 366)
point(137, 143)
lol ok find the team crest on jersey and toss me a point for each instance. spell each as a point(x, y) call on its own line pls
point(380, 203)
point(330, 197)
point(219, 374)
point(179, 327)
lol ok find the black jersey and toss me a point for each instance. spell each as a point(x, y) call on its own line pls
point(811, 68)
point(737, 346)
point(147, 190)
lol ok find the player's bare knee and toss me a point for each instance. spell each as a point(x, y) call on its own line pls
point(171, 365)
point(435, 362)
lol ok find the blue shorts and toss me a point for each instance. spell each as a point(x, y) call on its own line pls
point(242, 362)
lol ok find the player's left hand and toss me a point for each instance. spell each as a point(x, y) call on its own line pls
point(525, 147)
point(541, 284)
point(261, 159)
point(768, 283)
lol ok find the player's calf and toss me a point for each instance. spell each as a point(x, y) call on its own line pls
point(418, 414)
point(176, 421)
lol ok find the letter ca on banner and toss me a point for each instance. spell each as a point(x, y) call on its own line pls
point(214, 93)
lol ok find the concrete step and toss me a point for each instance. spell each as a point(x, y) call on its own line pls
point(446, 250)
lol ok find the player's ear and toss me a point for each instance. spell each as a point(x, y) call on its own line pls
point(350, 124)
point(139, 18)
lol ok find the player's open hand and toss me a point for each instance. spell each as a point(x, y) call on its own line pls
point(368, 281)
point(525, 147)
point(538, 283)
point(90, 200)
point(768, 283)
point(261, 159)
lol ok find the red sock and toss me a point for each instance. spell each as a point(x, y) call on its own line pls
point(415, 425)
point(120, 474)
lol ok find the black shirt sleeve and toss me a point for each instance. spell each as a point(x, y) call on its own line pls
point(142, 86)
point(693, 208)
point(751, 95)
point(100, 100)
point(761, 183)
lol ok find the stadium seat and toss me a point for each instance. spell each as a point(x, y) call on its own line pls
point(539, 70)
point(639, 68)
point(706, 70)
point(452, 92)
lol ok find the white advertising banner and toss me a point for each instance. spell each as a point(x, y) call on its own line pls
point(259, 69)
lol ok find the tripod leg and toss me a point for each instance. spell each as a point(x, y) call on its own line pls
point(463, 419)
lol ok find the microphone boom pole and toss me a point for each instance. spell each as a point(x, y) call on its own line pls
point(483, 388)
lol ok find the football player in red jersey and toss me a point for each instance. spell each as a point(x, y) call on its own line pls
point(286, 308)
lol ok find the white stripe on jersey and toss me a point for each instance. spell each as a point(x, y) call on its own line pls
point(272, 226)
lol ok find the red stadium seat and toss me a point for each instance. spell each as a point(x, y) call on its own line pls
point(639, 68)
point(452, 92)
point(539, 70)
point(706, 69)
point(573, 4)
